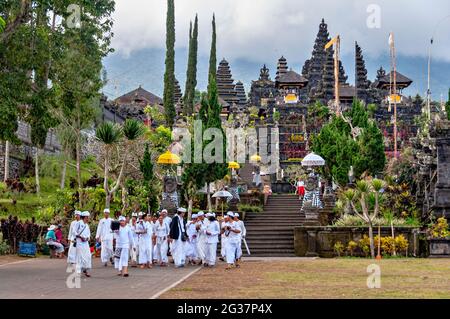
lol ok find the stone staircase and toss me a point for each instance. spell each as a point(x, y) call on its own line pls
point(271, 233)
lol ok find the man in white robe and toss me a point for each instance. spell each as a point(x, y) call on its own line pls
point(124, 241)
point(161, 232)
point(144, 229)
point(191, 245)
point(153, 221)
point(212, 232)
point(105, 237)
point(168, 221)
point(201, 240)
point(231, 231)
point(178, 237)
point(134, 252)
point(83, 251)
point(242, 234)
point(72, 253)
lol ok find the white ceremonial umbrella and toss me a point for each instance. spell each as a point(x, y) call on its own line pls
point(222, 194)
point(313, 160)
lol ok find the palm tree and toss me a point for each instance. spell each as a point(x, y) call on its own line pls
point(365, 189)
point(109, 134)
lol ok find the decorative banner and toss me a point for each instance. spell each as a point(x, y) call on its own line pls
point(291, 98)
point(394, 98)
point(329, 44)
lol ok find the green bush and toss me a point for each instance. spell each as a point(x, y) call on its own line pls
point(338, 248)
point(347, 220)
point(351, 246)
point(364, 244)
point(4, 247)
point(249, 208)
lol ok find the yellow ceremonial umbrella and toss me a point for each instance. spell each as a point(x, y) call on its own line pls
point(234, 165)
point(255, 158)
point(169, 158)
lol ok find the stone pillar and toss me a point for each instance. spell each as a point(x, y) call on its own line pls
point(312, 244)
point(441, 205)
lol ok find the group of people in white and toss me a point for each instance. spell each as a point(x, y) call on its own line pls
point(147, 240)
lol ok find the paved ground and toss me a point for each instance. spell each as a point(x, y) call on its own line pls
point(46, 278)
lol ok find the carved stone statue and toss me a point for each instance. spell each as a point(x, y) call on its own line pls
point(170, 200)
point(233, 189)
point(312, 193)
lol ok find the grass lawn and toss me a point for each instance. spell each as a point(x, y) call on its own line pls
point(319, 278)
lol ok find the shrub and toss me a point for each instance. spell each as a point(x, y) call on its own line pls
point(338, 248)
point(388, 245)
point(364, 244)
point(439, 230)
point(3, 188)
point(249, 208)
point(4, 247)
point(348, 220)
point(46, 215)
point(401, 243)
point(351, 246)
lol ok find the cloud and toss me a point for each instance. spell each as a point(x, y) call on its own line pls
point(263, 30)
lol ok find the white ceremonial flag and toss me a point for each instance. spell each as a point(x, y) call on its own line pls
point(391, 38)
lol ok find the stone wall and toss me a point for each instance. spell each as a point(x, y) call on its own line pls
point(442, 192)
point(319, 241)
point(18, 153)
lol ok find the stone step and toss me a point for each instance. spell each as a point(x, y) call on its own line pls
point(276, 222)
point(266, 235)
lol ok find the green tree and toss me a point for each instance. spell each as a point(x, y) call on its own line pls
point(213, 54)
point(147, 169)
point(211, 108)
point(2, 25)
point(110, 135)
point(358, 115)
point(342, 147)
point(169, 76)
point(66, 139)
point(371, 145)
point(191, 74)
point(360, 199)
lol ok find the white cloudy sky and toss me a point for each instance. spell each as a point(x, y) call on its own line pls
point(263, 30)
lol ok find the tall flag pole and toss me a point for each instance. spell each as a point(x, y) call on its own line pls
point(394, 95)
point(337, 46)
point(429, 84)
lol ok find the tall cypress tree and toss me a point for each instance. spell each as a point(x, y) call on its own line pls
point(215, 171)
point(169, 76)
point(213, 55)
point(191, 76)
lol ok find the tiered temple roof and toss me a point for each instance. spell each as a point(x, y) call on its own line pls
point(319, 70)
point(177, 92)
point(384, 82)
point(240, 94)
point(291, 79)
point(282, 67)
point(225, 83)
point(313, 68)
point(263, 88)
point(361, 82)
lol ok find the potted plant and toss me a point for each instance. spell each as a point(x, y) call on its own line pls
point(439, 239)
